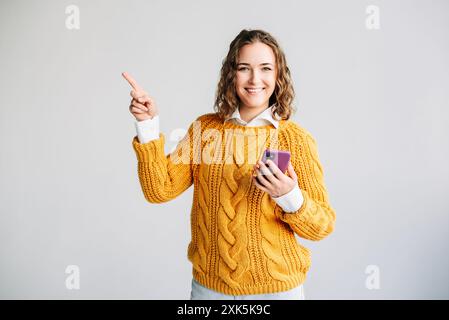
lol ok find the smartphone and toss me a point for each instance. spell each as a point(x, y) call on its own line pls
point(279, 157)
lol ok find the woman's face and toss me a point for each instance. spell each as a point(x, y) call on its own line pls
point(256, 69)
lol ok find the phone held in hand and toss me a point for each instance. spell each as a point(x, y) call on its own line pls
point(279, 157)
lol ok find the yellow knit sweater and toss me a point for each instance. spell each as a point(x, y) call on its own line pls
point(242, 241)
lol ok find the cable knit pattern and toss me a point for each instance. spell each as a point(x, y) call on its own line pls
point(200, 260)
point(242, 241)
point(276, 264)
point(232, 242)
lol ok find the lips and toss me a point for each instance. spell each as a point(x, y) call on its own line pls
point(254, 90)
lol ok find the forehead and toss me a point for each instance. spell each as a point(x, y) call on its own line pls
point(256, 53)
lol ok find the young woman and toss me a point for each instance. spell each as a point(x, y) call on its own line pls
point(243, 229)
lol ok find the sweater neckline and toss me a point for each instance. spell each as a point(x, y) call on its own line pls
point(245, 130)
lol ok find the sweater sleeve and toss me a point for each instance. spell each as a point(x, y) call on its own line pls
point(315, 219)
point(164, 177)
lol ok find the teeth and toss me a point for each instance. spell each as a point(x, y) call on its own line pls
point(254, 90)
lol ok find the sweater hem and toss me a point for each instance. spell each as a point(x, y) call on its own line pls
point(217, 284)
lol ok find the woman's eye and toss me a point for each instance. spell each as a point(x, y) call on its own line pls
point(266, 68)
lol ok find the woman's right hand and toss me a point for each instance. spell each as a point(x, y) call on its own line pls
point(142, 106)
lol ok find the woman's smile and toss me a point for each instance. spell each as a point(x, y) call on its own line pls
point(254, 91)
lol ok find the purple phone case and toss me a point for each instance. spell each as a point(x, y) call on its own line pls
point(279, 157)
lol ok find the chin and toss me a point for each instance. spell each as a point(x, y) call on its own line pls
point(255, 104)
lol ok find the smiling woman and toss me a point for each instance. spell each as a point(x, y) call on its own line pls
point(243, 243)
point(255, 82)
point(254, 75)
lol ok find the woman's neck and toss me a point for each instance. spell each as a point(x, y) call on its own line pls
point(248, 114)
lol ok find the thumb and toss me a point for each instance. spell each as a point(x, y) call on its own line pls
point(291, 172)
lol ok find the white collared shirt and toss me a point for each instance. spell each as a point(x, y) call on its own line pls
point(261, 119)
point(290, 202)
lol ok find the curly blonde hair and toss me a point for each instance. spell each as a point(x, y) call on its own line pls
point(226, 98)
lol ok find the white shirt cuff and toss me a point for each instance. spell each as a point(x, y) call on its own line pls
point(291, 201)
point(147, 130)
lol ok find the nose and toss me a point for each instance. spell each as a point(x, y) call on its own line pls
point(254, 77)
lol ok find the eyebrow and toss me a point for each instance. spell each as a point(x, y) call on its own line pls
point(247, 64)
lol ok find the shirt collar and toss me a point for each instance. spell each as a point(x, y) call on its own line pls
point(265, 115)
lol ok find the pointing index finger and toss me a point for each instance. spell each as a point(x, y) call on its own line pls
point(131, 81)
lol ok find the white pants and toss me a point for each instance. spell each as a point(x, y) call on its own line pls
point(200, 292)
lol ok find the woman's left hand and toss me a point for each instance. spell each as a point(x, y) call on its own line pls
point(272, 180)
